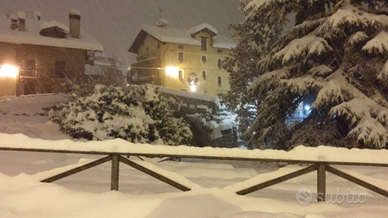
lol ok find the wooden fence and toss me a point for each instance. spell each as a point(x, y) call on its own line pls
point(321, 167)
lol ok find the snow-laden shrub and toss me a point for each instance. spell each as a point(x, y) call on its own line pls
point(137, 114)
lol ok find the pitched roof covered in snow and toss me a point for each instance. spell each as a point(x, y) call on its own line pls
point(203, 26)
point(180, 36)
point(32, 35)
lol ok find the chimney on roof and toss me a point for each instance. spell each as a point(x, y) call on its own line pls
point(75, 24)
point(14, 22)
point(37, 15)
point(162, 23)
point(22, 21)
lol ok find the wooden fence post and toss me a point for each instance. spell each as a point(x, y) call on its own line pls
point(321, 182)
point(114, 184)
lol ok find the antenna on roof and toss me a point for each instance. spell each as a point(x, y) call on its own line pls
point(162, 23)
point(160, 12)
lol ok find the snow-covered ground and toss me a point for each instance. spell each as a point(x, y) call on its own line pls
point(87, 194)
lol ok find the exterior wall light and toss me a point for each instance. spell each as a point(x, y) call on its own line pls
point(193, 88)
point(172, 71)
point(193, 81)
point(9, 71)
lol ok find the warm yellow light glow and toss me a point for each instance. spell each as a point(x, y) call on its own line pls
point(193, 88)
point(8, 71)
point(172, 71)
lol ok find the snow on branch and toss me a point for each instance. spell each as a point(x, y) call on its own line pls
point(370, 131)
point(384, 71)
point(352, 110)
point(357, 38)
point(300, 84)
point(321, 70)
point(256, 5)
point(379, 44)
point(297, 47)
point(331, 91)
point(353, 16)
point(298, 31)
point(277, 74)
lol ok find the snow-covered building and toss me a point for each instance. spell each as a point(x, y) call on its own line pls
point(39, 57)
point(106, 67)
point(181, 59)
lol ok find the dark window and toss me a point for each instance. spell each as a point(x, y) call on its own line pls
point(29, 88)
point(29, 68)
point(181, 75)
point(180, 46)
point(219, 81)
point(204, 59)
point(219, 50)
point(158, 44)
point(203, 44)
point(180, 56)
point(219, 63)
point(60, 67)
point(204, 74)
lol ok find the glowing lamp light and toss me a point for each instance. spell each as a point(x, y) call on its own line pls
point(193, 88)
point(172, 71)
point(307, 107)
point(8, 71)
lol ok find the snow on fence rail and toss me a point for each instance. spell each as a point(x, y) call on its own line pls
point(318, 159)
point(300, 154)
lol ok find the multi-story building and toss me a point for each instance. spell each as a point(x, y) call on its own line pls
point(182, 59)
point(40, 57)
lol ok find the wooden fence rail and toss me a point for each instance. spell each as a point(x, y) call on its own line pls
point(321, 167)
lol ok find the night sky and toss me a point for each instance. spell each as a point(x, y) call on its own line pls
point(115, 24)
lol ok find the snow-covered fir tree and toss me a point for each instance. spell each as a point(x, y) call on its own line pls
point(337, 53)
point(137, 114)
point(254, 41)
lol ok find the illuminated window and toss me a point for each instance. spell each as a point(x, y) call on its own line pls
point(181, 74)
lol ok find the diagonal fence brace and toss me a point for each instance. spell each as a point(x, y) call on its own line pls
point(77, 169)
point(277, 180)
point(154, 174)
point(357, 181)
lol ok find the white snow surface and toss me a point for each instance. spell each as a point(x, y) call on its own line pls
point(378, 44)
point(181, 36)
point(87, 194)
point(202, 26)
point(186, 94)
point(54, 23)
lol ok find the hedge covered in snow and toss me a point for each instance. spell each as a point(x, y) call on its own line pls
point(137, 114)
